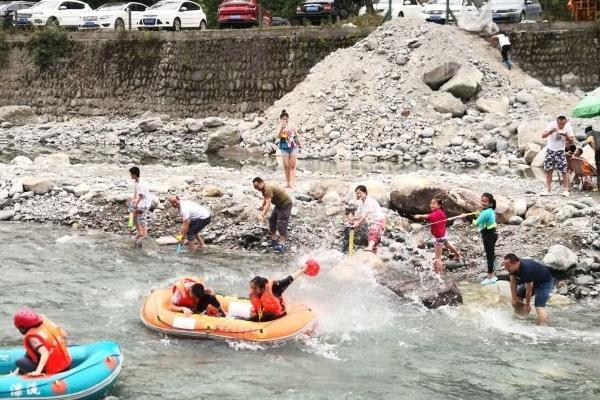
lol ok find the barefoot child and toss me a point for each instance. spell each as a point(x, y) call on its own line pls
point(437, 218)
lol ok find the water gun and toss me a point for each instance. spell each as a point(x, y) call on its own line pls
point(179, 238)
point(130, 221)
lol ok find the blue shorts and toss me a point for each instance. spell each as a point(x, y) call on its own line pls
point(289, 151)
point(541, 293)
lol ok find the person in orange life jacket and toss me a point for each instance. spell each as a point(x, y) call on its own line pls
point(44, 342)
point(190, 296)
point(266, 297)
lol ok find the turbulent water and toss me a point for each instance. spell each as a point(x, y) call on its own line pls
point(370, 344)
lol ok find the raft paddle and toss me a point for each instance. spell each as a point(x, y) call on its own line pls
point(446, 220)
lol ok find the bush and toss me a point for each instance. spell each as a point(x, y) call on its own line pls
point(365, 21)
point(4, 50)
point(47, 45)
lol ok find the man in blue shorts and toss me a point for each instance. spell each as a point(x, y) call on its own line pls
point(529, 278)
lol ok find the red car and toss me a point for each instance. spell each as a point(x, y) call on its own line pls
point(233, 13)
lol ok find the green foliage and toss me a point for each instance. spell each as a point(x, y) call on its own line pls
point(366, 20)
point(4, 50)
point(210, 9)
point(47, 45)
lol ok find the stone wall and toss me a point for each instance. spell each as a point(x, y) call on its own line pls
point(553, 53)
point(182, 74)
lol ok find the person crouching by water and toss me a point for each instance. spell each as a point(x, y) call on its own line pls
point(44, 342)
point(486, 223)
point(437, 217)
point(289, 145)
point(370, 212)
point(529, 278)
point(280, 217)
point(190, 296)
point(267, 299)
point(194, 219)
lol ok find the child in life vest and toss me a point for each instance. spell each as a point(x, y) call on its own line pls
point(44, 342)
point(437, 218)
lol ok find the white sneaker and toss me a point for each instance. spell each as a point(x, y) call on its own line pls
point(565, 193)
point(488, 281)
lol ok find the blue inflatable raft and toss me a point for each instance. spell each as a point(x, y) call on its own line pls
point(94, 369)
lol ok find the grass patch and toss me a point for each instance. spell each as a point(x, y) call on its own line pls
point(4, 50)
point(47, 45)
point(364, 21)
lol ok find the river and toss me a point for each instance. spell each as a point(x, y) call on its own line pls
point(370, 344)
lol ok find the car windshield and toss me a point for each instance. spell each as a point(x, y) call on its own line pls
point(165, 5)
point(111, 6)
point(46, 4)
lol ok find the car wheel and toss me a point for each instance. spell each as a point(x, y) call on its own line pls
point(52, 21)
point(401, 14)
point(119, 25)
point(177, 25)
point(522, 17)
point(203, 25)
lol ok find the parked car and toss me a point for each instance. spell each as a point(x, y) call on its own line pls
point(400, 8)
point(173, 15)
point(435, 10)
point(52, 12)
point(242, 13)
point(321, 10)
point(113, 16)
point(533, 8)
point(279, 21)
point(515, 10)
point(9, 9)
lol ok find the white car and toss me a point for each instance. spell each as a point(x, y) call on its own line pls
point(51, 12)
point(435, 10)
point(173, 15)
point(400, 8)
point(113, 16)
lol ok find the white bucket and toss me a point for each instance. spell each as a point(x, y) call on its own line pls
point(239, 310)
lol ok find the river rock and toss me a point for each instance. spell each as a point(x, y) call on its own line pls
point(193, 125)
point(465, 83)
point(584, 280)
point(331, 198)
point(5, 215)
point(516, 220)
point(530, 131)
point(375, 189)
point(520, 207)
point(524, 97)
point(225, 136)
point(37, 185)
point(212, 191)
point(17, 115)
point(531, 150)
point(538, 160)
point(493, 105)
point(81, 189)
point(431, 293)
point(150, 124)
point(53, 160)
point(560, 258)
point(436, 77)
point(21, 160)
point(16, 187)
point(213, 122)
point(544, 215)
point(445, 103)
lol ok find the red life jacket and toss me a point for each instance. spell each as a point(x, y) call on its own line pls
point(52, 339)
point(184, 287)
point(267, 303)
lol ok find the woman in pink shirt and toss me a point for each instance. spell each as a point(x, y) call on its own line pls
point(437, 218)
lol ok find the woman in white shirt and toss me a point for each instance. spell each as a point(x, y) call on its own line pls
point(503, 43)
point(370, 212)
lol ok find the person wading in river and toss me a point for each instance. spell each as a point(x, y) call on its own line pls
point(289, 146)
point(280, 217)
point(529, 278)
point(369, 212)
point(140, 203)
point(266, 297)
point(194, 219)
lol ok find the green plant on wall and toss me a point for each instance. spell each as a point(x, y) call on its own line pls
point(47, 45)
point(3, 50)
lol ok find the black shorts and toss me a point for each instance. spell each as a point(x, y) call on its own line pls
point(196, 225)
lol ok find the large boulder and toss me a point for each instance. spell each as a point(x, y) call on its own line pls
point(37, 185)
point(213, 122)
point(223, 137)
point(531, 151)
point(17, 115)
point(520, 207)
point(376, 190)
point(440, 75)
point(530, 131)
point(544, 215)
point(150, 124)
point(411, 195)
point(193, 125)
point(5, 215)
point(560, 258)
point(431, 293)
point(445, 103)
point(538, 160)
point(53, 160)
point(21, 160)
point(465, 83)
point(493, 105)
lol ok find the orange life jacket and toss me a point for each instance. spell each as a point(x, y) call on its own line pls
point(52, 339)
point(267, 303)
point(184, 286)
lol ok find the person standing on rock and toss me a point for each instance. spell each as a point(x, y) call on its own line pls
point(558, 134)
point(280, 217)
point(140, 203)
point(289, 147)
point(593, 140)
point(194, 219)
point(370, 212)
point(486, 223)
point(529, 278)
point(437, 217)
point(503, 43)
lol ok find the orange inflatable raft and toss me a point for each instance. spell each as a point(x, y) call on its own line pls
point(155, 314)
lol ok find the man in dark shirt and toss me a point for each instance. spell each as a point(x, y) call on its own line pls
point(528, 278)
point(280, 217)
point(593, 139)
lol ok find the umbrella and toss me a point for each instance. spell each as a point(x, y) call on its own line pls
point(588, 107)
